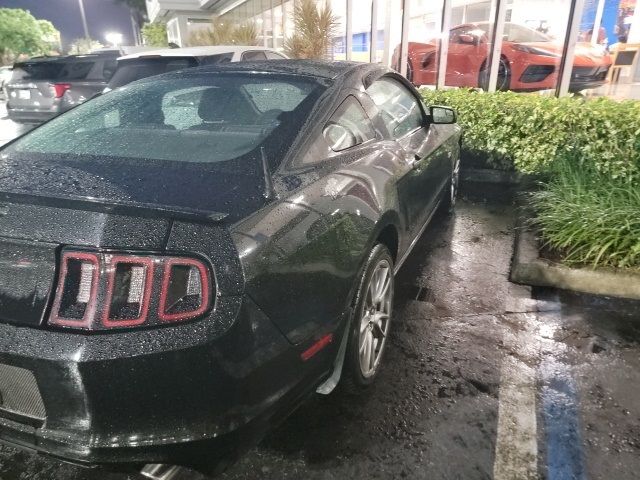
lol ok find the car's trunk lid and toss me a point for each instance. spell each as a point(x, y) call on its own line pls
point(45, 207)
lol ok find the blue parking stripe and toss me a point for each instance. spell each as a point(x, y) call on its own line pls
point(561, 421)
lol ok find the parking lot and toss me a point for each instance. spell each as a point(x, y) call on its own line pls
point(8, 129)
point(482, 379)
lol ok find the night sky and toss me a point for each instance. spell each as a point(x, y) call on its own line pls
point(102, 16)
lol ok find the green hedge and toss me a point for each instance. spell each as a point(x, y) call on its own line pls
point(527, 132)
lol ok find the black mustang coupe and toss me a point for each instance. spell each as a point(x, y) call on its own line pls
point(184, 259)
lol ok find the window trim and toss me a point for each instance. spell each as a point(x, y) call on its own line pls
point(273, 52)
point(242, 57)
point(403, 84)
point(364, 112)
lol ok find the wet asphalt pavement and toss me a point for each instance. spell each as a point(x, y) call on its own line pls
point(8, 129)
point(482, 379)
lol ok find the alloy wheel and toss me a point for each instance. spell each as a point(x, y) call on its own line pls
point(375, 317)
point(455, 182)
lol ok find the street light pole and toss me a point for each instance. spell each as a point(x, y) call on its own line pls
point(84, 19)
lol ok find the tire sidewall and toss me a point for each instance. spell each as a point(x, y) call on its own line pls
point(483, 76)
point(354, 370)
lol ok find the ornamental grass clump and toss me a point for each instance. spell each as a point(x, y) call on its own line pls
point(588, 217)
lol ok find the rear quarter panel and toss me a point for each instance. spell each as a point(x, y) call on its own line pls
point(302, 255)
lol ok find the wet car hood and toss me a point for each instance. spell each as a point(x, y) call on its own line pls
point(173, 185)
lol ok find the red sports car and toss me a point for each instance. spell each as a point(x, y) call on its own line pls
point(529, 60)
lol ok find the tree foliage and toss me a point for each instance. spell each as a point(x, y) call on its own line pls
point(315, 28)
point(155, 34)
point(82, 46)
point(50, 35)
point(225, 33)
point(22, 34)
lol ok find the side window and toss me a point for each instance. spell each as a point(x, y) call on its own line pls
point(76, 70)
point(349, 126)
point(109, 68)
point(256, 55)
point(399, 109)
point(273, 56)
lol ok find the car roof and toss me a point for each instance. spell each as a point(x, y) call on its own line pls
point(195, 51)
point(313, 68)
point(64, 58)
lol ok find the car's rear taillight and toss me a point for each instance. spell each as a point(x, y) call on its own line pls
point(101, 291)
point(185, 290)
point(75, 302)
point(129, 284)
point(60, 88)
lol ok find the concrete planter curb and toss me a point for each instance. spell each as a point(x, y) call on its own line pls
point(486, 175)
point(528, 268)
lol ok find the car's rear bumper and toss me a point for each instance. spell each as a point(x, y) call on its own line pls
point(154, 396)
point(31, 116)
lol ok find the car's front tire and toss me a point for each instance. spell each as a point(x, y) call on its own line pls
point(370, 321)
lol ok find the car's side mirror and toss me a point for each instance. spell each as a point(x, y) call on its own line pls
point(339, 137)
point(442, 115)
point(468, 39)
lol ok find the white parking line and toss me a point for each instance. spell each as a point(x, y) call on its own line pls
point(516, 456)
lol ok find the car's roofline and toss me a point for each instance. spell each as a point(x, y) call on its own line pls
point(195, 51)
point(63, 58)
point(287, 67)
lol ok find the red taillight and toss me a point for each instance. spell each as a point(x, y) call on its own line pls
point(60, 88)
point(106, 291)
point(185, 290)
point(75, 302)
point(129, 284)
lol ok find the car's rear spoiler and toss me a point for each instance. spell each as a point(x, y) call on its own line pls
point(134, 209)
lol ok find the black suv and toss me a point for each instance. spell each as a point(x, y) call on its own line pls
point(44, 87)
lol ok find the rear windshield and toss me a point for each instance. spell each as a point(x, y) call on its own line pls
point(37, 71)
point(136, 69)
point(80, 69)
point(196, 118)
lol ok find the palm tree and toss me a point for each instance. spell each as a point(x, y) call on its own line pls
point(314, 30)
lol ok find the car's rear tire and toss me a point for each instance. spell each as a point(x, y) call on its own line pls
point(370, 322)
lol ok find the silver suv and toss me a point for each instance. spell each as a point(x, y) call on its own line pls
point(42, 88)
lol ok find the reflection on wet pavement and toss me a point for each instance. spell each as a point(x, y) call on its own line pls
point(482, 379)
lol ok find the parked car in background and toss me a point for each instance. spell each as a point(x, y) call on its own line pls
point(5, 75)
point(41, 88)
point(176, 276)
point(148, 63)
point(529, 60)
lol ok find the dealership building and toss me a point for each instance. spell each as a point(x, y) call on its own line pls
point(551, 46)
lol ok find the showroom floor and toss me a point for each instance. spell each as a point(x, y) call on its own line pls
point(483, 379)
